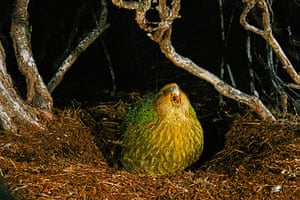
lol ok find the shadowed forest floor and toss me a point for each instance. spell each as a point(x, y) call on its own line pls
point(77, 158)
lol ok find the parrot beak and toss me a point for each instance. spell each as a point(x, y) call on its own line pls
point(175, 94)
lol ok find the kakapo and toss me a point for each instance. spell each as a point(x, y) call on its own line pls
point(163, 134)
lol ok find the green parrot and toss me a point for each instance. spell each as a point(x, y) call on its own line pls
point(163, 134)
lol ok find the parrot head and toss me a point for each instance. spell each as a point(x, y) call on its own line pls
point(171, 100)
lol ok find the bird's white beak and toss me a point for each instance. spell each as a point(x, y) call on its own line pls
point(175, 92)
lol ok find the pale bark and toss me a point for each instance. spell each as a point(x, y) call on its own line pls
point(36, 110)
point(162, 35)
point(102, 25)
point(132, 5)
point(222, 87)
point(267, 34)
point(13, 110)
point(37, 92)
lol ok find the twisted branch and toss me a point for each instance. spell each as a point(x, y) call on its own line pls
point(161, 34)
point(37, 93)
point(89, 39)
point(13, 110)
point(267, 33)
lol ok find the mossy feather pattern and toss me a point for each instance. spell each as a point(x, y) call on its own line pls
point(163, 134)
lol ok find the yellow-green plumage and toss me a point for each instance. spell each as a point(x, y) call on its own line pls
point(163, 134)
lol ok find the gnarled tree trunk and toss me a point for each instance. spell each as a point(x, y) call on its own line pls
point(14, 111)
point(36, 110)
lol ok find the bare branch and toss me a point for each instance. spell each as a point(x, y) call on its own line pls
point(221, 86)
point(162, 35)
point(12, 107)
point(37, 93)
point(267, 34)
point(81, 47)
point(131, 5)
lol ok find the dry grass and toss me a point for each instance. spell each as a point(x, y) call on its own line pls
point(76, 160)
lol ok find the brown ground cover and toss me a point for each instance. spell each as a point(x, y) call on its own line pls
point(77, 158)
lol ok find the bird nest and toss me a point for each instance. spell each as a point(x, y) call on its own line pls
point(77, 158)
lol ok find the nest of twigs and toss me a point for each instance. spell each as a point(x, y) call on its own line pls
point(77, 158)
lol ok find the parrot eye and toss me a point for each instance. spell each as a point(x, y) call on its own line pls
point(166, 91)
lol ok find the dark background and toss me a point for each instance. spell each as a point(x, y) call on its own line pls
point(136, 60)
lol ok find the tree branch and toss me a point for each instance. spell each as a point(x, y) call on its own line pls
point(81, 47)
point(161, 34)
point(221, 86)
point(131, 5)
point(14, 111)
point(267, 34)
point(37, 93)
